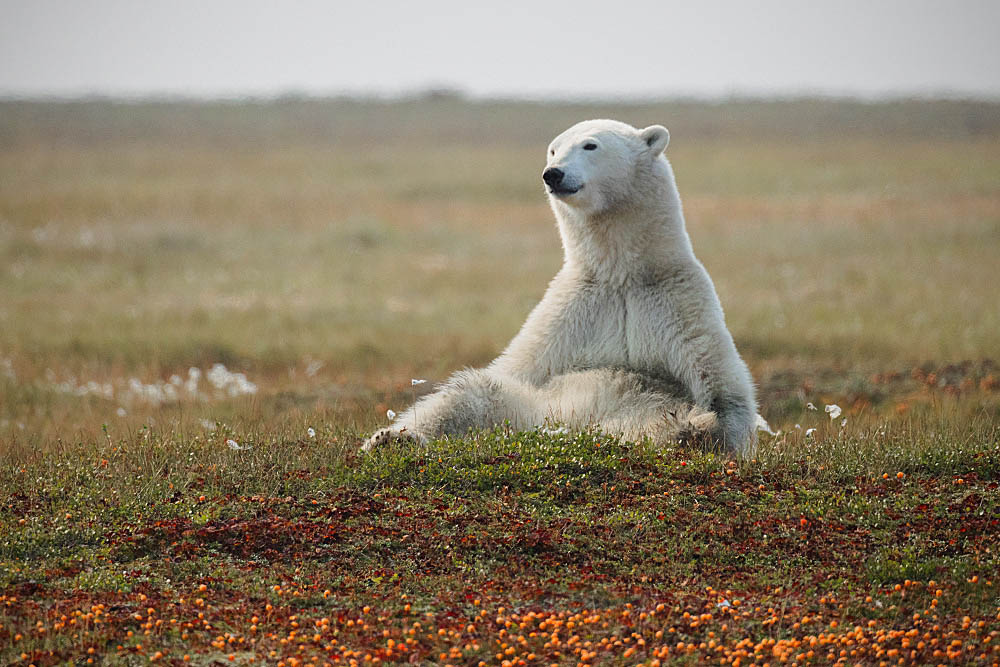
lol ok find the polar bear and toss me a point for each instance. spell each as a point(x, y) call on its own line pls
point(630, 335)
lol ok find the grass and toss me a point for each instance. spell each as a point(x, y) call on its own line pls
point(297, 550)
point(330, 250)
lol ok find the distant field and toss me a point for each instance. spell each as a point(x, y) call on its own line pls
point(331, 250)
point(204, 307)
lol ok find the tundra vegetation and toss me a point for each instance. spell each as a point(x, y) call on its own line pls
point(204, 307)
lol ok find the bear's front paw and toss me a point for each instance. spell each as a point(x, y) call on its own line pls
point(388, 436)
point(694, 428)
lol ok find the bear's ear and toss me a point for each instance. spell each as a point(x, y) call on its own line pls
point(656, 138)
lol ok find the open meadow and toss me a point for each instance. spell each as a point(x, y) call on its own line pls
point(204, 307)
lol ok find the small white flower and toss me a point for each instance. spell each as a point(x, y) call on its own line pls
point(810, 406)
point(843, 422)
point(798, 426)
point(725, 604)
point(833, 410)
point(414, 382)
point(235, 445)
point(390, 414)
point(809, 432)
point(311, 432)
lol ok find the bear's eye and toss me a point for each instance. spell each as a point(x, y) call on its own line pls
point(552, 152)
point(590, 147)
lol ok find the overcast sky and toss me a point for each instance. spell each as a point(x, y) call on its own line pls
point(577, 48)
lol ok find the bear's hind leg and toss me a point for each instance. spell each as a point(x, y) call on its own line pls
point(628, 404)
point(470, 399)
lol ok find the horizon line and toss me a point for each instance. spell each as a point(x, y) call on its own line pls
point(445, 92)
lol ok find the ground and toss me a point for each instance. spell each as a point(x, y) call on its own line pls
point(303, 256)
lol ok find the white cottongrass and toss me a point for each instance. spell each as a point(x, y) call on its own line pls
point(390, 414)
point(87, 238)
point(833, 410)
point(91, 388)
point(313, 367)
point(311, 432)
point(810, 406)
point(43, 234)
point(153, 393)
point(809, 432)
point(235, 445)
point(414, 382)
point(194, 376)
point(223, 384)
point(233, 384)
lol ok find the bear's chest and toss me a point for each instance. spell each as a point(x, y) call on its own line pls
point(591, 328)
point(650, 322)
point(616, 326)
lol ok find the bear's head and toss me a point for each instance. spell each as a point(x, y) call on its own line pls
point(593, 166)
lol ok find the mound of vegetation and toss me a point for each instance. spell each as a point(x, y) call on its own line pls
point(504, 549)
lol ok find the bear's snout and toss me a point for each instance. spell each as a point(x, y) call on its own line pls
point(553, 177)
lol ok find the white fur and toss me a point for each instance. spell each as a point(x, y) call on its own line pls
point(630, 335)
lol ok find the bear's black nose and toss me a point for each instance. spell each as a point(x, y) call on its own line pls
point(552, 177)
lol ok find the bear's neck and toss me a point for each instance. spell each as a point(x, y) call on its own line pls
point(639, 240)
